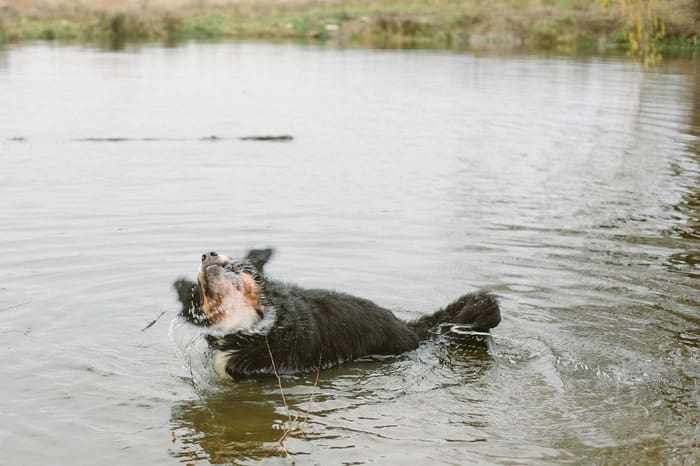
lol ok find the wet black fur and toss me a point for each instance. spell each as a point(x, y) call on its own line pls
point(324, 326)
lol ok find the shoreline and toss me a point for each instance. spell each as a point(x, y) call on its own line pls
point(571, 26)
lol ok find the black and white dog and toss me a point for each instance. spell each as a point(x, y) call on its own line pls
point(252, 320)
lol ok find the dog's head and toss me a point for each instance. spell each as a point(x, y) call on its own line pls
point(228, 294)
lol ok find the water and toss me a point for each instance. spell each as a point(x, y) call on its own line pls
point(567, 186)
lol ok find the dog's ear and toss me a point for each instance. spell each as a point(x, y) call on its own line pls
point(188, 293)
point(259, 257)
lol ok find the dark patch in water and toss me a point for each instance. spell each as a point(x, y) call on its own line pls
point(279, 138)
point(102, 139)
point(212, 138)
point(120, 139)
point(265, 138)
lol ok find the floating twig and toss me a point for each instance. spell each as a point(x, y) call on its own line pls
point(14, 306)
point(153, 322)
point(269, 138)
point(311, 398)
point(212, 138)
point(284, 399)
point(292, 423)
point(279, 379)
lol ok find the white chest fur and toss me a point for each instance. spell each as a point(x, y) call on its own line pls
point(219, 361)
point(238, 314)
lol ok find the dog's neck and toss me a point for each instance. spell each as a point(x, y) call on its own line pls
point(234, 306)
point(237, 315)
point(240, 315)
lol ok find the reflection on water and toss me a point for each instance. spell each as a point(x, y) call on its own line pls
point(569, 187)
point(226, 427)
point(247, 422)
point(688, 209)
point(337, 412)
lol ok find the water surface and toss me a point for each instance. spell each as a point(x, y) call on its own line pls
point(567, 186)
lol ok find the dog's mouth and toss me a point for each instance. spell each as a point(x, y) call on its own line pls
point(230, 292)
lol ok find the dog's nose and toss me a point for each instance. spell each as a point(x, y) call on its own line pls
point(211, 254)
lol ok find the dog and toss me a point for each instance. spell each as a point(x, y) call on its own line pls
point(257, 325)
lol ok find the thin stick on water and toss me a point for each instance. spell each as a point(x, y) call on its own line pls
point(284, 399)
point(311, 397)
point(279, 379)
point(153, 322)
point(293, 426)
point(14, 306)
point(292, 423)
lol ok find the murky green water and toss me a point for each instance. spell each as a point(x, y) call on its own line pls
point(569, 187)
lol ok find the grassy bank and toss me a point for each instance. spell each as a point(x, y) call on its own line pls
point(534, 24)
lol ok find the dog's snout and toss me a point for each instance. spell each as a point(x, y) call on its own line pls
point(211, 254)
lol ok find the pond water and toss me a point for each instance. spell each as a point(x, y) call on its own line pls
point(568, 186)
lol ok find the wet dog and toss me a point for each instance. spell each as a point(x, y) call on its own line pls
point(256, 325)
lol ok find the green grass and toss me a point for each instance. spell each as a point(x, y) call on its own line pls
point(449, 24)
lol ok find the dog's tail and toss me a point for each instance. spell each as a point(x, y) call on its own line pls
point(478, 312)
